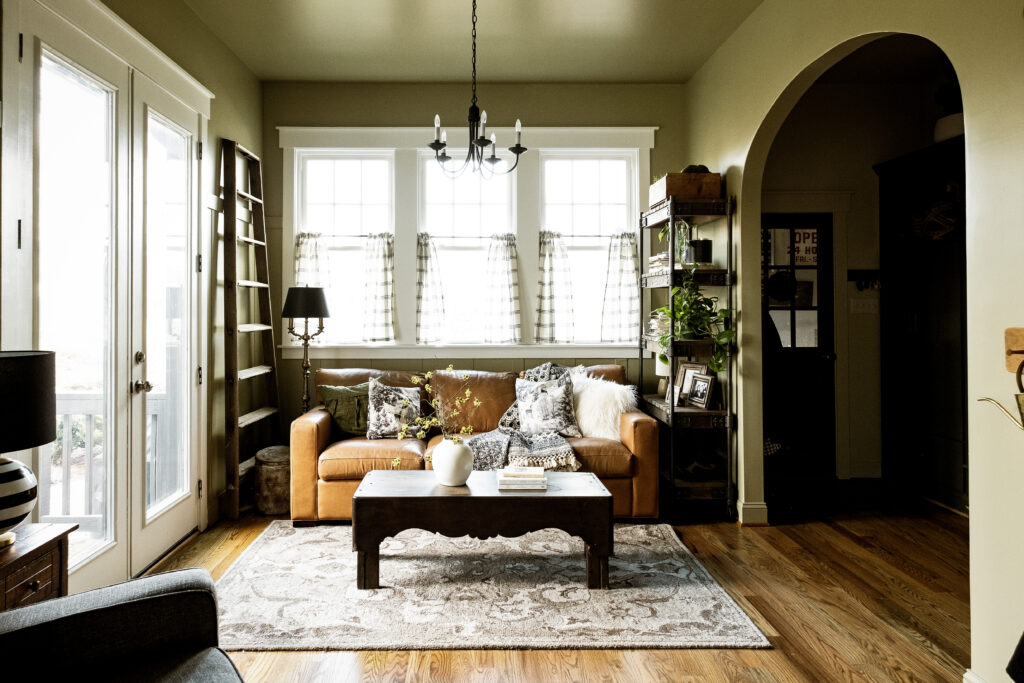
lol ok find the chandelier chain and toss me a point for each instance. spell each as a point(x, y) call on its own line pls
point(474, 52)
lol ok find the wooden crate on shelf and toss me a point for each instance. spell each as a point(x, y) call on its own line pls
point(690, 185)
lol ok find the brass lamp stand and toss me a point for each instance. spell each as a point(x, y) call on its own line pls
point(305, 302)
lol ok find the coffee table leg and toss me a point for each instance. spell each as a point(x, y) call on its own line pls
point(368, 569)
point(597, 569)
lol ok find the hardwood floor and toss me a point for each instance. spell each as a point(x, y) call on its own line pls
point(851, 597)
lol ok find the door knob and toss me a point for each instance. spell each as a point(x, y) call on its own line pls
point(140, 356)
point(143, 385)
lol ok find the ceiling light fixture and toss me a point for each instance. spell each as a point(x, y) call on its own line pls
point(478, 140)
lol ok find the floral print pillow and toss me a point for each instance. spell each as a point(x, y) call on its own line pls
point(390, 408)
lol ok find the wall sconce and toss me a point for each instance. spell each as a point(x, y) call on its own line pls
point(1014, 342)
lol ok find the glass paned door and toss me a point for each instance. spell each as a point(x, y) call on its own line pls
point(76, 260)
point(164, 443)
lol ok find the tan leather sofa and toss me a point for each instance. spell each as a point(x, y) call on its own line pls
point(327, 466)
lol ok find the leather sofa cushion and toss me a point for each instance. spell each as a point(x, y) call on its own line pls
point(353, 458)
point(496, 391)
point(603, 457)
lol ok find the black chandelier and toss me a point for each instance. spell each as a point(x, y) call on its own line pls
point(476, 158)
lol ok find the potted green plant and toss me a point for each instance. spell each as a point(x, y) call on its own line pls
point(697, 317)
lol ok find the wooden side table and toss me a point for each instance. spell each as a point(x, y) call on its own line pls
point(35, 567)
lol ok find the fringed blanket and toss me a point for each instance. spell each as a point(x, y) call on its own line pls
point(508, 446)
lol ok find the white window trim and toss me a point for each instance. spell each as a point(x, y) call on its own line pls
point(407, 143)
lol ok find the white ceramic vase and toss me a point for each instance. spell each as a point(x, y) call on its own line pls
point(452, 463)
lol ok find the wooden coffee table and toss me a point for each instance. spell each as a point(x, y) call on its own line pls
point(390, 501)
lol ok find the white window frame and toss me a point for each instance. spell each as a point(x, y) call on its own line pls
point(407, 144)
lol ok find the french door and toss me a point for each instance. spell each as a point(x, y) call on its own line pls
point(100, 169)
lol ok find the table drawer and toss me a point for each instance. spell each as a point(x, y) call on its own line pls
point(34, 582)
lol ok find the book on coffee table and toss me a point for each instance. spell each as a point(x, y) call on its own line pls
point(511, 486)
point(525, 472)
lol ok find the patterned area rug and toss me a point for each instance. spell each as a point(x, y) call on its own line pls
point(294, 589)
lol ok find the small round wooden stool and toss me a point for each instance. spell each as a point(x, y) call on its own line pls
point(273, 480)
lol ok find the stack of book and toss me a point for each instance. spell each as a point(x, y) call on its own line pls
point(657, 264)
point(522, 479)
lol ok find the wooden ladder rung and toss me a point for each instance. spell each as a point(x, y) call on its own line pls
point(254, 327)
point(252, 283)
point(250, 240)
point(246, 153)
point(248, 197)
point(255, 416)
point(245, 466)
point(256, 371)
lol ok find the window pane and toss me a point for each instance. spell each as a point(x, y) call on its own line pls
point(319, 181)
point(75, 311)
point(588, 266)
point(585, 182)
point(167, 320)
point(348, 180)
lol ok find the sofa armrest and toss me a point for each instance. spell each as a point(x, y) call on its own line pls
point(149, 617)
point(639, 433)
point(310, 436)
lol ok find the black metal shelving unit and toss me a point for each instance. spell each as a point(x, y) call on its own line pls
point(696, 212)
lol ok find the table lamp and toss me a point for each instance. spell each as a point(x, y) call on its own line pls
point(28, 418)
point(305, 302)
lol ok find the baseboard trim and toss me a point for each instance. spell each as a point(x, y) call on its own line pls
point(752, 514)
point(971, 677)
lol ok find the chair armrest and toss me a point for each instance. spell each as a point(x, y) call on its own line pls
point(148, 617)
point(310, 436)
point(639, 433)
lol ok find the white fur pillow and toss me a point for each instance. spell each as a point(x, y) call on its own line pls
point(599, 404)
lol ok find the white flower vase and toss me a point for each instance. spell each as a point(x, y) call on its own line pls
point(452, 463)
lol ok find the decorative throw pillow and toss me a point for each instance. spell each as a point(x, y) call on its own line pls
point(546, 406)
point(390, 408)
point(510, 420)
point(599, 404)
point(549, 370)
point(349, 406)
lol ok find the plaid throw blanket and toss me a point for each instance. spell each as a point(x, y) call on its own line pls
point(507, 445)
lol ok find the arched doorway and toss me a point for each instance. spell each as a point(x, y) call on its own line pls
point(861, 163)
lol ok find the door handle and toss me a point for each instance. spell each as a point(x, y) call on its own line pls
point(142, 385)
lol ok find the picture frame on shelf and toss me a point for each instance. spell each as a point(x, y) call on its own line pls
point(685, 372)
point(700, 390)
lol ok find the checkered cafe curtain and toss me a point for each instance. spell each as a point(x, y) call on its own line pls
point(620, 312)
point(501, 318)
point(379, 295)
point(311, 261)
point(429, 292)
point(554, 324)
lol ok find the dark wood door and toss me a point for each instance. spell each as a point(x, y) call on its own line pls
point(799, 359)
point(923, 317)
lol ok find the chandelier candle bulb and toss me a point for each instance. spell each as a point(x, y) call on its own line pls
point(519, 132)
point(437, 127)
point(444, 137)
point(483, 123)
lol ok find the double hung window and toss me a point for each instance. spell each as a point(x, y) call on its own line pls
point(346, 196)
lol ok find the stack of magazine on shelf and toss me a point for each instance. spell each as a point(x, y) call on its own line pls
point(522, 479)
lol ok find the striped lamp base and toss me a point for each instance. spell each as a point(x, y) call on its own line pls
point(17, 496)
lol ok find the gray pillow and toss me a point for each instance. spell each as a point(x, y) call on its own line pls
point(546, 407)
point(390, 408)
point(349, 406)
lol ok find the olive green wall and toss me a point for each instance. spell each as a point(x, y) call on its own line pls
point(235, 113)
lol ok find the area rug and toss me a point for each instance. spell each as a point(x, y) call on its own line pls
point(294, 589)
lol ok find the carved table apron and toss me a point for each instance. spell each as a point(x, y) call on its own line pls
point(390, 501)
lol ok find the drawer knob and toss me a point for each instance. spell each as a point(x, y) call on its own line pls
point(34, 586)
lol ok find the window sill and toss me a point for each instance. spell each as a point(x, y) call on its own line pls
point(453, 351)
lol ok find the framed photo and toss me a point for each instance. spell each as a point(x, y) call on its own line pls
point(700, 390)
point(684, 380)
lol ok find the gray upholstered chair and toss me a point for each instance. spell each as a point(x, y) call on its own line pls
point(158, 628)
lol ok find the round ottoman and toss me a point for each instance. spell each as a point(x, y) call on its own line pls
point(273, 480)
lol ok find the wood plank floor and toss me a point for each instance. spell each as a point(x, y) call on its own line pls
point(851, 597)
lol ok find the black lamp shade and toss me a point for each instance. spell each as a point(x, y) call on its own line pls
point(28, 402)
point(305, 302)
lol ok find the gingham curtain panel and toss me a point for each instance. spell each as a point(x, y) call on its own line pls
point(501, 319)
point(429, 292)
point(311, 262)
point(378, 317)
point(620, 312)
point(554, 323)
